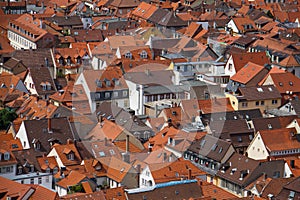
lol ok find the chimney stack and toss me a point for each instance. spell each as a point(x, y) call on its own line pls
point(127, 143)
point(189, 174)
point(49, 125)
point(105, 141)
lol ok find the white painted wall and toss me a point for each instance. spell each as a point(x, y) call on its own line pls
point(46, 179)
point(81, 80)
point(145, 177)
point(257, 150)
point(232, 71)
point(22, 135)
point(28, 82)
point(54, 153)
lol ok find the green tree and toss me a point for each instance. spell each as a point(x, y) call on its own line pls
point(6, 116)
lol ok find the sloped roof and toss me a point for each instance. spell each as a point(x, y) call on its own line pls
point(247, 73)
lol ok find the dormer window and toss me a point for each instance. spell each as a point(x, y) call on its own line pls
point(144, 54)
point(78, 60)
point(116, 81)
point(20, 170)
point(6, 156)
point(31, 168)
point(107, 83)
point(55, 170)
point(99, 83)
point(71, 156)
point(128, 55)
point(69, 60)
point(48, 170)
point(61, 60)
point(44, 86)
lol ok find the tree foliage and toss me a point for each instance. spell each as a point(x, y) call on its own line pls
point(6, 116)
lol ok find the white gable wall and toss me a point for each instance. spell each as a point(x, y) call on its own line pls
point(257, 149)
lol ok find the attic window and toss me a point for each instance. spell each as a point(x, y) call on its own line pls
point(102, 154)
point(260, 90)
point(220, 150)
point(202, 143)
point(280, 84)
point(213, 148)
point(270, 126)
point(128, 55)
point(144, 54)
point(6, 156)
point(71, 156)
point(99, 83)
point(240, 139)
point(291, 83)
point(116, 81)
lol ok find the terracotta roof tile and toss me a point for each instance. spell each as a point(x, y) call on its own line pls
point(63, 150)
point(175, 171)
point(42, 192)
point(241, 59)
point(72, 179)
point(192, 107)
point(273, 139)
point(247, 73)
point(285, 82)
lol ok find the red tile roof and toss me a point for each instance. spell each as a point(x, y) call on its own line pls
point(247, 73)
point(279, 139)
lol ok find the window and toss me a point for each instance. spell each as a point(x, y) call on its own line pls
point(40, 180)
point(230, 67)
point(144, 54)
point(274, 101)
point(71, 156)
point(6, 156)
point(116, 93)
point(262, 103)
point(125, 93)
point(48, 170)
point(47, 179)
point(107, 95)
point(257, 103)
point(128, 55)
point(244, 104)
point(31, 181)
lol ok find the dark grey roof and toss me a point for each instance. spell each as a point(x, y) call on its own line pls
point(38, 129)
point(157, 15)
point(210, 147)
point(162, 89)
point(232, 115)
point(172, 20)
point(39, 56)
point(65, 21)
point(41, 75)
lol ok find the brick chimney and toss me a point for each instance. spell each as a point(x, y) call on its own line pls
point(49, 125)
point(189, 174)
point(127, 143)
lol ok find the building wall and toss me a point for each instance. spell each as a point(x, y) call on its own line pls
point(57, 158)
point(266, 106)
point(81, 80)
point(146, 178)
point(8, 171)
point(230, 70)
point(42, 179)
point(257, 150)
point(22, 135)
point(30, 84)
point(135, 100)
point(61, 191)
point(19, 42)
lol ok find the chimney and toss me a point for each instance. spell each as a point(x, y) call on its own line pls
point(105, 141)
point(127, 143)
point(49, 125)
point(189, 174)
point(126, 157)
point(69, 141)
